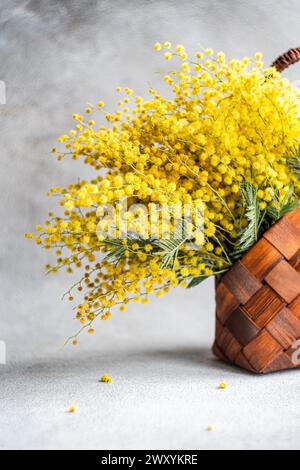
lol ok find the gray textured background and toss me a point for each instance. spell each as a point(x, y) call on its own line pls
point(55, 57)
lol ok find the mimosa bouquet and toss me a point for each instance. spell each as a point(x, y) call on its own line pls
point(185, 182)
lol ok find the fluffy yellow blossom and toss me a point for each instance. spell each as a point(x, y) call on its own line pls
point(223, 385)
point(106, 315)
point(167, 45)
point(106, 378)
point(73, 409)
point(227, 125)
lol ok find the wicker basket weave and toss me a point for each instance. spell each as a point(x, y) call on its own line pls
point(258, 299)
point(258, 302)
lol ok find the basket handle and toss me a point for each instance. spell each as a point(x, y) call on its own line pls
point(291, 57)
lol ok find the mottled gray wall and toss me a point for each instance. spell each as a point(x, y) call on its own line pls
point(55, 57)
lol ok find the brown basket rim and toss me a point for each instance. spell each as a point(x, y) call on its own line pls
point(286, 216)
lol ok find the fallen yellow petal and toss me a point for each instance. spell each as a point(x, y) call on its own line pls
point(106, 378)
point(73, 409)
point(223, 385)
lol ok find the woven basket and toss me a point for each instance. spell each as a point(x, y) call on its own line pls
point(258, 299)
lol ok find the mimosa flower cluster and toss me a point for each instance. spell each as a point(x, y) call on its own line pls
point(222, 139)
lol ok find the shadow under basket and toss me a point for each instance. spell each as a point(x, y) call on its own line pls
point(258, 303)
